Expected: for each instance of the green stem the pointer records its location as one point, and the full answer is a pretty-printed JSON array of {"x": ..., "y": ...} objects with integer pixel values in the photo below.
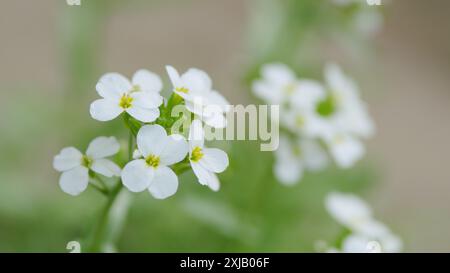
[
  {"x": 100, "y": 233},
  {"x": 99, "y": 188}
]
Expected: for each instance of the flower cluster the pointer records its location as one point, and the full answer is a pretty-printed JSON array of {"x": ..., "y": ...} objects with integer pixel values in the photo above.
[
  {"x": 363, "y": 232},
  {"x": 156, "y": 156},
  {"x": 316, "y": 120}
]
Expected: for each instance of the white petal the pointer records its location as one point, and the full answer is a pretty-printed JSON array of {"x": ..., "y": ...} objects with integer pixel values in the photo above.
[
  {"x": 205, "y": 177},
  {"x": 343, "y": 87},
  {"x": 164, "y": 184},
  {"x": 174, "y": 76},
  {"x": 137, "y": 175},
  {"x": 147, "y": 81},
  {"x": 278, "y": 73},
  {"x": 196, "y": 105},
  {"x": 370, "y": 227},
  {"x": 196, "y": 134},
  {"x": 143, "y": 114},
  {"x": 285, "y": 151},
  {"x": 197, "y": 81},
  {"x": 307, "y": 94},
  {"x": 146, "y": 99},
  {"x": 288, "y": 172},
  {"x": 355, "y": 119},
  {"x": 113, "y": 86},
  {"x": 151, "y": 139},
  {"x": 213, "y": 182},
  {"x": 214, "y": 160},
  {"x": 67, "y": 159},
  {"x": 346, "y": 150},
  {"x": 356, "y": 244},
  {"x": 314, "y": 155},
  {"x": 103, "y": 147},
  {"x": 74, "y": 181},
  {"x": 105, "y": 109},
  {"x": 105, "y": 167},
  {"x": 347, "y": 209},
  {"x": 215, "y": 98},
  {"x": 217, "y": 120},
  {"x": 267, "y": 92},
  {"x": 175, "y": 150}
]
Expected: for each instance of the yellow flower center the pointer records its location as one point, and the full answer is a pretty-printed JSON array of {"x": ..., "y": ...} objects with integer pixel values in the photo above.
[
  {"x": 125, "y": 101},
  {"x": 290, "y": 88},
  {"x": 182, "y": 90},
  {"x": 197, "y": 154},
  {"x": 152, "y": 161},
  {"x": 86, "y": 161}
]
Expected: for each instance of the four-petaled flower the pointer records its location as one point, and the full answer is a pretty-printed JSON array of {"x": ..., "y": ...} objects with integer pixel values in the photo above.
[
  {"x": 292, "y": 158},
  {"x": 75, "y": 166},
  {"x": 195, "y": 87},
  {"x": 152, "y": 172},
  {"x": 353, "y": 213},
  {"x": 140, "y": 98},
  {"x": 277, "y": 85},
  {"x": 205, "y": 162}
]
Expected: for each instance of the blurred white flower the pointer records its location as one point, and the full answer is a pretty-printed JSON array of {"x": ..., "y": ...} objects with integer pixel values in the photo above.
[
  {"x": 195, "y": 87},
  {"x": 140, "y": 98},
  {"x": 355, "y": 243},
  {"x": 292, "y": 158},
  {"x": 75, "y": 166},
  {"x": 350, "y": 112},
  {"x": 205, "y": 162},
  {"x": 332, "y": 114},
  {"x": 153, "y": 172},
  {"x": 353, "y": 213},
  {"x": 342, "y": 118},
  {"x": 345, "y": 149},
  {"x": 277, "y": 84},
  {"x": 348, "y": 210},
  {"x": 359, "y": 243}
]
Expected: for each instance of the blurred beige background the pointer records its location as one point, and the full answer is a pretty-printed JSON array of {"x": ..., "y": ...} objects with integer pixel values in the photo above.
[{"x": 410, "y": 99}]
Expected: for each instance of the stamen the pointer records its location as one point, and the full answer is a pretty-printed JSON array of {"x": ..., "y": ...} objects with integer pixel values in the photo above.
[
  {"x": 197, "y": 154},
  {"x": 152, "y": 161},
  {"x": 86, "y": 161},
  {"x": 125, "y": 101},
  {"x": 182, "y": 90}
]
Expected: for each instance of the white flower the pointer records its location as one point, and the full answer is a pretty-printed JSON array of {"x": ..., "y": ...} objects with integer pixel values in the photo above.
[
  {"x": 277, "y": 83},
  {"x": 291, "y": 159},
  {"x": 350, "y": 112},
  {"x": 341, "y": 119},
  {"x": 356, "y": 243},
  {"x": 140, "y": 98},
  {"x": 195, "y": 87},
  {"x": 359, "y": 243},
  {"x": 345, "y": 149},
  {"x": 353, "y": 213},
  {"x": 152, "y": 172},
  {"x": 75, "y": 166},
  {"x": 205, "y": 162},
  {"x": 348, "y": 210}
]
